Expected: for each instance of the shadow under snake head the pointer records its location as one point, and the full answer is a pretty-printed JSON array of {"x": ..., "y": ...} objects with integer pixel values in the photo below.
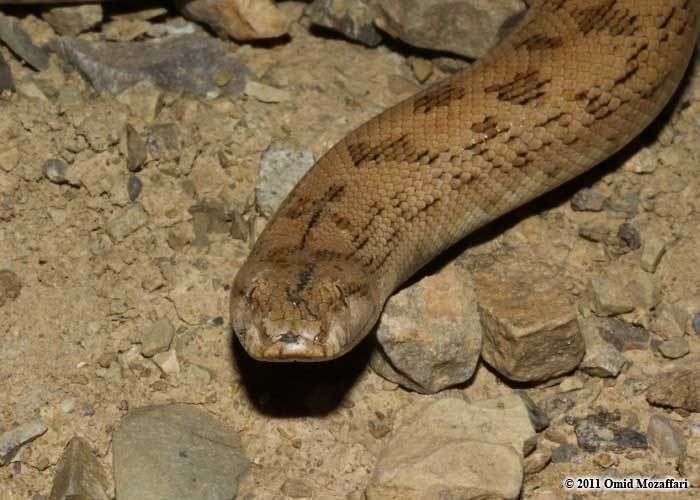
[{"x": 302, "y": 311}]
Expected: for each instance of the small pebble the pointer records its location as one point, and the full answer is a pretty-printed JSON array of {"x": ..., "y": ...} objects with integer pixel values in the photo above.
[
  {"x": 157, "y": 337},
  {"x": 630, "y": 235},
  {"x": 296, "y": 488},
  {"x": 54, "y": 170},
  {"x": 136, "y": 150},
  {"x": 10, "y": 286},
  {"x": 696, "y": 323},
  {"x": 133, "y": 187},
  {"x": 422, "y": 69},
  {"x": 674, "y": 348},
  {"x": 588, "y": 200},
  {"x": 652, "y": 252}
]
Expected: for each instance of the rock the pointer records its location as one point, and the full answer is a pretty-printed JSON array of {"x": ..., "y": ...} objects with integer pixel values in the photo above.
[
  {"x": 643, "y": 162},
  {"x": 126, "y": 223},
  {"x": 675, "y": 348},
  {"x": 73, "y": 20},
  {"x": 429, "y": 334},
  {"x": 653, "y": 250},
  {"x": 564, "y": 454},
  {"x": 537, "y": 461},
  {"x": 670, "y": 320},
  {"x": 602, "y": 359},
  {"x": 624, "y": 336},
  {"x": 144, "y": 100},
  {"x": 6, "y": 81},
  {"x": 623, "y": 204},
  {"x": 180, "y": 64},
  {"x": 134, "y": 187},
  {"x": 12, "y": 34},
  {"x": 464, "y": 27},
  {"x": 622, "y": 290},
  {"x": 100, "y": 174},
  {"x": 630, "y": 236},
  {"x": 600, "y": 432},
  {"x": 450, "y": 448},
  {"x": 665, "y": 437},
  {"x": 54, "y": 170},
  {"x": 676, "y": 389},
  {"x": 176, "y": 451},
  {"x": 9, "y": 159},
  {"x": 689, "y": 464},
  {"x": 10, "y": 286},
  {"x": 239, "y": 19},
  {"x": 296, "y": 488},
  {"x": 352, "y": 18},
  {"x": 167, "y": 362},
  {"x": 136, "y": 150},
  {"x": 588, "y": 200},
  {"x": 421, "y": 68},
  {"x": 79, "y": 474},
  {"x": 265, "y": 93},
  {"x": 125, "y": 30},
  {"x": 529, "y": 321},
  {"x": 280, "y": 169},
  {"x": 157, "y": 337},
  {"x": 163, "y": 142},
  {"x": 696, "y": 323},
  {"x": 11, "y": 441},
  {"x": 538, "y": 417}
]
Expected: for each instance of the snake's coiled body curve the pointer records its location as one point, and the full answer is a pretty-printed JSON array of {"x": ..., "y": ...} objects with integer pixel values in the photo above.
[{"x": 574, "y": 83}]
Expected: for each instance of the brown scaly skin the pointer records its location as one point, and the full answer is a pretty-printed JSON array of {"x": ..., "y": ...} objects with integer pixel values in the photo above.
[{"x": 574, "y": 83}]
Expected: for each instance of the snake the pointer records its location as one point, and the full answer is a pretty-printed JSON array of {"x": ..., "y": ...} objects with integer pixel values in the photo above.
[{"x": 570, "y": 85}]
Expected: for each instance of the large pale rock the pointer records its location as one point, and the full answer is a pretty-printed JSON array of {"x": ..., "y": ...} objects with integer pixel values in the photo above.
[
  {"x": 429, "y": 333},
  {"x": 73, "y": 19},
  {"x": 453, "y": 449},
  {"x": 239, "y": 19},
  {"x": 622, "y": 290},
  {"x": 530, "y": 327},
  {"x": 465, "y": 27},
  {"x": 176, "y": 451}
]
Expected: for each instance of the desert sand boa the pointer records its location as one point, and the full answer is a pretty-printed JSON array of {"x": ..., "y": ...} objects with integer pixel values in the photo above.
[{"x": 570, "y": 86}]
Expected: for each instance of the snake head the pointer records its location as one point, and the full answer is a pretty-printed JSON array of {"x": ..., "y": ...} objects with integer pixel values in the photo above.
[{"x": 301, "y": 311}]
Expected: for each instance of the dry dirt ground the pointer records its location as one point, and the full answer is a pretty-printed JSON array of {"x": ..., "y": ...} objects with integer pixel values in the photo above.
[{"x": 70, "y": 342}]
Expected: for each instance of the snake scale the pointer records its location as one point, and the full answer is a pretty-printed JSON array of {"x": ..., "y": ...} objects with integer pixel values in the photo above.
[{"x": 573, "y": 83}]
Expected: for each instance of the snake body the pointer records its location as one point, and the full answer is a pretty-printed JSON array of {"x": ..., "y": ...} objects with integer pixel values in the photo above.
[{"x": 570, "y": 86}]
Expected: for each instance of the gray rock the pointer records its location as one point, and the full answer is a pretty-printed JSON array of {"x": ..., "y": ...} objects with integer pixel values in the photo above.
[
  {"x": 352, "y": 18},
  {"x": 6, "y": 81},
  {"x": 538, "y": 417},
  {"x": 588, "y": 200},
  {"x": 429, "y": 334},
  {"x": 126, "y": 223},
  {"x": 623, "y": 204},
  {"x": 622, "y": 290},
  {"x": 653, "y": 250},
  {"x": 676, "y": 389},
  {"x": 10, "y": 286},
  {"x": 54, "y": 170},
  {"x": 134, "y": 187},
  {"x": 665, "y": 437},
  {"x": 157, "y": 337},
  {"x": 176, "y": 451},
  {"x": 564, "y": 454},
  {"x": 12, "y": 440},
  {"x": 602, "y": 359},
  {"x": 465, "y": 27},
  {"x": 74, "y": 19},
  {"x": 601, "y": 432},
  {"x": 79, "y": 474},
  {"x": 136, "y": 150},
  {"x": 163, "y": 142},
  {"x": 19, "y": 42},
  {"x": 529, "y": 321},
  {"x": 624, "y": 336},
  {"x": 696, "y": 323},
  {"x": 630, "y": 236},
  {"x": 194, "y": 64},
  {"x": 280, "y": 169},
  {"x": 450, "y": 448},
  {"x": 674, "y": 348}
]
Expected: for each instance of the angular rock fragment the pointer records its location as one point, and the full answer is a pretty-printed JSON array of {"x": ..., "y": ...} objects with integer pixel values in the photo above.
[
  {"x": 429, "y": 334},
  {"x": 194, "y": 64},
  {"x": 176, "y": 451},
  {"x": 530, "y": 327},
  {"x": 352, "y": 18},
  {"x": 602, "y": 432},
  {"x": 463, "y": 27},
  {"x": 10, "y": 286},
  {"x": 676, "y": 389},
  {"x": 623, "y": 290},
  {"x": 452, "y": 449},
  {"x": 239, "y": 19},
  {"x": 73, "y": 19},
  {"x": 79, "y": 474},
  {"x": 11, "y": 441},
  {"x": 6, "y": 81},
  {"x": 602, "y": 358},
  {"x": 665, "y": 437}
]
